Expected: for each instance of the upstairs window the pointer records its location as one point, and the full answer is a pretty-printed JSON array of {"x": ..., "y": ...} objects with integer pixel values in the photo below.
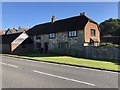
[
  {"x": 92, "y": 32},
  {"x": 38, "y": 37},
  {"x": 72, "y": 33},
  {"x": 52, "y": 35}
]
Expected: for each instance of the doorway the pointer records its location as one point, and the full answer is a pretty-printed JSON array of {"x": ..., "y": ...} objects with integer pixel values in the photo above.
[{"x": 46, "y": 46}]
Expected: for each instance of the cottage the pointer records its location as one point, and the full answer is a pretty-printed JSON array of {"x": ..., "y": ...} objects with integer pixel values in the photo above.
[
  {"x": 15, "y": 43},
  {"x": 74, "y": 32}
]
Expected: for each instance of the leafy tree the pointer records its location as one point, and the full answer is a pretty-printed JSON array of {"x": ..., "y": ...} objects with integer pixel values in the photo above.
[{"x": 111, "y": 27}]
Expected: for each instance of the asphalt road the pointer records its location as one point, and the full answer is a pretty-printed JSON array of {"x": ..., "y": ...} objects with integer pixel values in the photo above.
[{"x": 23, "y": 73}]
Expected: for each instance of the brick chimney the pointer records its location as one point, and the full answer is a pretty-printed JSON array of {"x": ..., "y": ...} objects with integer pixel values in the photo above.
[
  {"x": 83, "y": 13},
  {"x": 53, "y": 19},
  {"x": 14, "y": 28}
]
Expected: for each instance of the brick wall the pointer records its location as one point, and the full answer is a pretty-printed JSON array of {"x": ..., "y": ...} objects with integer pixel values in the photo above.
[{"x": 87, "y": 35}]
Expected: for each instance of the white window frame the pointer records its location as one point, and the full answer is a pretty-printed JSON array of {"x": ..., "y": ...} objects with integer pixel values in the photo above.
[
  {"x": 52, "y": 35},
  {"x": 72, "y": 33}
]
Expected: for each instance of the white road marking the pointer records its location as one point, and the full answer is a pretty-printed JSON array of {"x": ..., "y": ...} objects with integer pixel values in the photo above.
[
  {"x": 64, "y": 78},
  {"x": 9, "y": 64},
  {"x": 12, "y": 65},
  {"x": 34, "y": 61},
  {"x": 3, "y": 63}
]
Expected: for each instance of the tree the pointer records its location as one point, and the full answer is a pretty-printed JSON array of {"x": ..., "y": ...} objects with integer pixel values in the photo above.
[{"x": 110, "y": 27}]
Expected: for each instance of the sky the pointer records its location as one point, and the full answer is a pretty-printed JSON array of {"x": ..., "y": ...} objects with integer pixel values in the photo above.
[{"x": 27, "y": 14}]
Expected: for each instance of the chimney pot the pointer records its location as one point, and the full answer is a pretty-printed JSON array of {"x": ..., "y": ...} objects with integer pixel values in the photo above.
[
  {"x": 83, "y": 13},
  {"x": 14, "y": 28},
  {"x": 53, "y": 19}
]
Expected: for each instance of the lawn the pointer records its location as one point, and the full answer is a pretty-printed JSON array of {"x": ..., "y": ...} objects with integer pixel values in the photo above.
[{"x": 70, "y": 60}]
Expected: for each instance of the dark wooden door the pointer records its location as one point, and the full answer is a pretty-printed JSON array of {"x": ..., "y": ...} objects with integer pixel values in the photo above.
[{"x": 46, "y": 47}]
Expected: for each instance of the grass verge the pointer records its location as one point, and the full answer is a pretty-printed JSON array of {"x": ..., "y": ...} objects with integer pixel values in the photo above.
[{"x": 70, "y": 60}]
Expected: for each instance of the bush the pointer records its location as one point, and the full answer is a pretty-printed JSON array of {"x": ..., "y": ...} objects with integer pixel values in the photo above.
[{"x": 108, "y": 44}]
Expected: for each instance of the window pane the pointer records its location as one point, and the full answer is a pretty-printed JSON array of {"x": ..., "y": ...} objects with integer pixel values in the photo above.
[
  {"x": 92, "y": 32},
  {"x": 72, "y": 33},
  {"x": 52, "y": 35},
  {"x": 69, "y": 33}
]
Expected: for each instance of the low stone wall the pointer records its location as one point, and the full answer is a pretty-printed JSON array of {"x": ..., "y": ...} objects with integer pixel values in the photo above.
[{"x": 103, "y": 52}]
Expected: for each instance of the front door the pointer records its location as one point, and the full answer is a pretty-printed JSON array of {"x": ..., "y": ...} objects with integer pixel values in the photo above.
[{"x": 46, "y": 47}]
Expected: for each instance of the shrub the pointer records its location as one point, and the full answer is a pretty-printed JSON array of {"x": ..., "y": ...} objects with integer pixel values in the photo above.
[{"x": 108, "y": 44}]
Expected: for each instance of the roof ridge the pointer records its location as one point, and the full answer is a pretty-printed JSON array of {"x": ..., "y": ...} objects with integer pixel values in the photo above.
[{"x": 62, "y": 19}]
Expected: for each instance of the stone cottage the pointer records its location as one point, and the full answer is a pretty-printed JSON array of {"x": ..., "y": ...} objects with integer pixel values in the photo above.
[{"x": 74, "y": 32}]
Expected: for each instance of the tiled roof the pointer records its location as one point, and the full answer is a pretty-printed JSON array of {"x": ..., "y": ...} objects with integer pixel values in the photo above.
[
  {"x": 2, "y": 32},
  {"x": 73, "y": 23},
  {"x": 11, "y": 31}
]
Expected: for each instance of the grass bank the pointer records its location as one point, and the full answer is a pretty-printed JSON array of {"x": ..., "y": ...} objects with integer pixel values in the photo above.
[{"x": 108, "y": 65}]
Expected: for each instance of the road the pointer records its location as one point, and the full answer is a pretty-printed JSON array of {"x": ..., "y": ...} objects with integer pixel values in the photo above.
[{"x": 23, "y": 73}]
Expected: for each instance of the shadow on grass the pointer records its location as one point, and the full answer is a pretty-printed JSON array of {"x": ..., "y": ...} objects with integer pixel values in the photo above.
[{"x": 39, "y": 54}]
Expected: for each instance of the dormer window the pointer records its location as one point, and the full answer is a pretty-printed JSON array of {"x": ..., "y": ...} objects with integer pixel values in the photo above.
[
  {"x": 52, "y": 35},
  {"x": 92, "y": 32},
  {"x": 72, "y": 33}
]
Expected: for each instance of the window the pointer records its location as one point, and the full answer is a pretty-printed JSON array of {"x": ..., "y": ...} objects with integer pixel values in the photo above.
[
  {"x": 63, "y": 45},
  {"x": 38, "y": 45},
  {"x": 52, "y": 35},
  {"x": 92, "y": 32},
  {"x": 38, "y": 37},
  {"x": 72, "y": 33}
]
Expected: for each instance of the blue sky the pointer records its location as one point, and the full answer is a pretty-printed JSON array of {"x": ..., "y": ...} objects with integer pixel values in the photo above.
[{"x": 26, "y": 14}]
